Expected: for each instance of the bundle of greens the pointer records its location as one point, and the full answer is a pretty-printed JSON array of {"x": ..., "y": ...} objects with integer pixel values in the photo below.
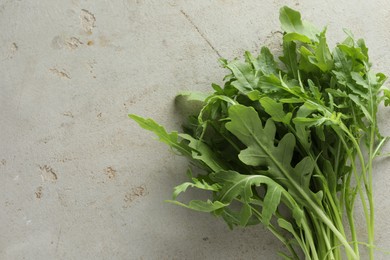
[{"x": 289, "y": 144}]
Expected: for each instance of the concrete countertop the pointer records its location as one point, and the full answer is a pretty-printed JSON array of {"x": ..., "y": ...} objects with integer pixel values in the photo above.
[{"x": 79, "y": 180}]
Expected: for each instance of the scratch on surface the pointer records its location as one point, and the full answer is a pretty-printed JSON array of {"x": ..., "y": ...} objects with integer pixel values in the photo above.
[
  {"x": 87, "y": 20},
  {"x": 39, "y": 193},
  {"x": 73, "y": 43},
  {"x": 14, "y": 47},
  {"x": 110, "y": 172},
  {"x": 134, "y": 194},
  {"x": 200, "y": 33},
  {"x": 60, "y": 73},
  {"x": 58, "y": 239},
  {"x": 48, "y": 173},
  {"x": 12, "y": 51},
  {"x": 68, "y": 113}
]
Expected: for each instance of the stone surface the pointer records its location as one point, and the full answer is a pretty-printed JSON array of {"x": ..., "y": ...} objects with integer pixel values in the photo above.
[{"x": 79, "y": 180}]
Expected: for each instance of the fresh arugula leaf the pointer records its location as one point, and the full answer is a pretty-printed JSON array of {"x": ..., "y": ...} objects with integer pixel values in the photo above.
[
  {"x": 291, "y": 23},
  {"x": 275, "y": 110},
  {"x": 323, "y": 58},
  {"x": 170, "y": 139},
  {"x": 199, "y": 205}
]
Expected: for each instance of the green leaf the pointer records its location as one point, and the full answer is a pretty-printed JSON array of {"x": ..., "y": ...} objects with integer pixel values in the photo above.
[
  {"x": 323, "y": 58},
  {"x": 309, "y": 121},
  {"x": 170, "y": 139},
  {"x": 386, "y": 93},
  {"x": 353, "y": 52},
  {"x": 361, "y": 105},
  {"x": 266, "y": 62},
  {"x": 315, "y": 91},
  {"x": 244, "y": 74},
  {"x": 296, "y": 37},
  {"x": 270, "y": 83},
  {"x": 286, "y": 225},
  {"x": 291, "y": 100},
  {"x": 271, "y": 202},
  {"x": 330, "y": 176},
  {"x": 245, "y": 214},
  {"x": 289, "y": 58},
  {"x": 337, "y": 92},
  {"x": 254, "y": 95},
  {"x": 202, "y": 152},
  {"x": 359, "y": 79},
  {"x": 197, "y": 183},
  {"x": 199, "y": 205},
  {"x": 304, "y": 62},
  {"x": 235, "y": 185},
  {"x": 305, "y": 168},
  {"x": 341, "y": 61},
  {"x": 246, "y": 125},
  {"x": 194, "y": 95},
  {"x": 291, "y": 23},
  {"x": 275, "y": 110}
]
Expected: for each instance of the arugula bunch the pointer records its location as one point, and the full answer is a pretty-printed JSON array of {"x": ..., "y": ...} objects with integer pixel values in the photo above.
[{"x": 289, "y": 144}]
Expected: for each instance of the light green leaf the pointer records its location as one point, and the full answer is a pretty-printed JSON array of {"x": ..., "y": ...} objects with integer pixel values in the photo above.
[
  {"x": 266, "y": 62},
  {"x": 245, "y": 214},
  {"x": 170, "y": 139},
  {"x": 275, "y": 110},
  {"x": 323, "y": 58},
  {"x": 330, "y": 176},
  {"x": 194, "y": 95},
  {"x": 244, "y": 74},
  {"x": 286, "y": 225},
  {"x": 305, "y": 167},
  {"x": 359, "y": 79},
  {"x": 200, "y": 184},
  {"x": 296, "y": 37},
  {"x": 361, "y": 106},
  {"x": 354, "y": 52},
  {"x": 309, "y": 121},
  {"x": 386, "y": 94},
  {"x": 304, "y": 62},
  {"x": 342, "y": 63},
  {"x": 291, "y": 23},
  {"x": 291, "y": 100},
  {"x": 246, "y": 125},
  {"x": 235, "y": 185},
  {"x": 337, "y": 92},
  {"x": 254, "y": 95},
  {"x": 270, "y": 83},
  {"x": 202, "y": 152},
  {"x": 289, "y": 58},
  {"x": 199, "y": 205},
  {"x": 271, "y": 202}
]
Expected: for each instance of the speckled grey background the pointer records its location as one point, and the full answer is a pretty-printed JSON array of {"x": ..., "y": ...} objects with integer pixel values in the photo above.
[{"x": 78, "y": 179}]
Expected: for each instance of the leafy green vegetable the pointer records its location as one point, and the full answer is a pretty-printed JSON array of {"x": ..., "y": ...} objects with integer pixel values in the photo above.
[{"x": 301, "y": 133}]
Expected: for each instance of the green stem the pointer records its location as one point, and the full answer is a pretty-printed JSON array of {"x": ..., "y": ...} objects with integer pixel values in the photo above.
[
  {"x": 337, "y": 233},
  {"x": 331, "y": 200},
  {"x": 350, "y": 201},
  {"x": 309, "y": 238},
  {"x": 278, "y": 235},
  {"x": 369, "y": 215},
  {"x": 312, "y": 205},
  {"x": 323, "y": 238},
  {"x": 370, "y": 195}
]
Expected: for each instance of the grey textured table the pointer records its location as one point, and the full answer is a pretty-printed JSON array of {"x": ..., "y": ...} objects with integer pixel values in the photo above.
[{"x": 79, "y": 180}]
